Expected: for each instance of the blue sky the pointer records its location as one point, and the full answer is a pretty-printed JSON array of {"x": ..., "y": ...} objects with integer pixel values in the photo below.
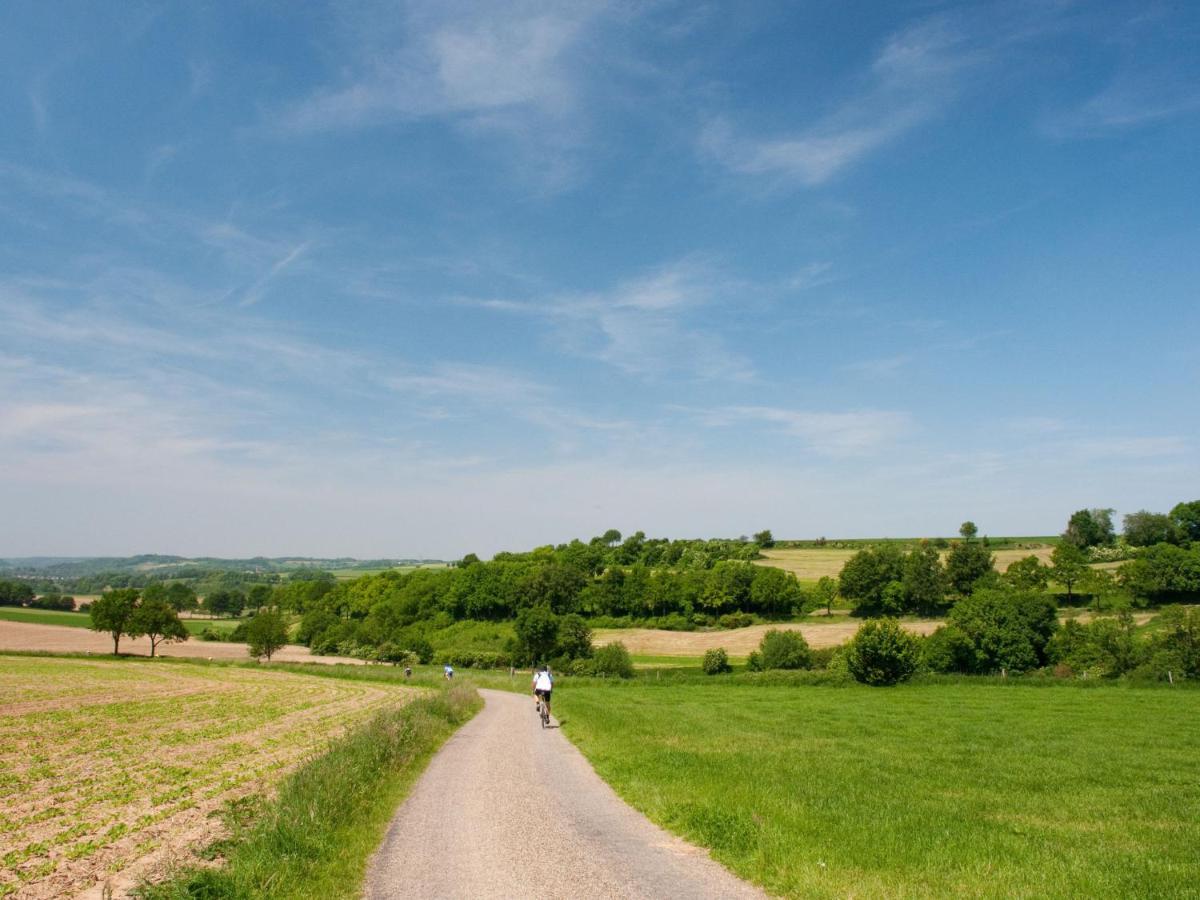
[{"x": 405, "y": 278}]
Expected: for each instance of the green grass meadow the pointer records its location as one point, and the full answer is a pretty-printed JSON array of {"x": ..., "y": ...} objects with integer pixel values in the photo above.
[{"x": 929, "y": 789}]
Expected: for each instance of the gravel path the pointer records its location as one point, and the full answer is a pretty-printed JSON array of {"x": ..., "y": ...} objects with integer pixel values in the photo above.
[{"x": 502, "y": 786}]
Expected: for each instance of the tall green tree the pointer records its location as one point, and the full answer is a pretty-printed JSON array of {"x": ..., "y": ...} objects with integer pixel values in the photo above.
[
  {"x": 1090, "y": 528},
  {"x": 1186, "y": 517},
  {"x": 1068, "y": 565},
  {"x": 258, "y": 596},
  {"x": 764, "y": 538},
  {"x": 867, "y": 574},
  {"x": 537, "y": 633},
  {"x": 924, "y": 579},
  {"x": 266, "y": 632},
  {"x": 825, "y": 593},
  {"x": 155, "y": 618},
  {"x": 967, "y": 564},
  {"x": 181, "y": 596},
  {"x": 113, "y": 612},
  {"x": 1028, "y": 574},
  {"x": 968, "y": 530},
  {"x": 574, "y": 637},
  {"x": 1144, "y": 529}
]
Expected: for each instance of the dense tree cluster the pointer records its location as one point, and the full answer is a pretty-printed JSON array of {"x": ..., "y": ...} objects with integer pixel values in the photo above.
[
  {"x": 885, "y": 581},
  {"x": 399, "y": 608}
]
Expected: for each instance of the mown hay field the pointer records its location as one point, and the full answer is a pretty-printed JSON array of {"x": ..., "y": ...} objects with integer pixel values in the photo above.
[
  {"x": 813, "y": 564},
  {"x": 111, "y": 770}
]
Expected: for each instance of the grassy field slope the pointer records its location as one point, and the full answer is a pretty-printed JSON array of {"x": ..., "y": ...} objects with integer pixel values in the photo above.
[{"x": 948, "y": 789}]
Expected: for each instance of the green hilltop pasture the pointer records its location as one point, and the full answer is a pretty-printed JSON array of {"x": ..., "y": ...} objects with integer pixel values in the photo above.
[{"x": 939, "y": 788}]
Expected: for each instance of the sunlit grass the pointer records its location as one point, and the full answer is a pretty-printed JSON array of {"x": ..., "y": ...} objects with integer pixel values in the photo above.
[{"x": 945, "y": 789}]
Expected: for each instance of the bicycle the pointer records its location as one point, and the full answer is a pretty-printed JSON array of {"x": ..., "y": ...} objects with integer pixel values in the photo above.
[{"x": 543, "y": 711}]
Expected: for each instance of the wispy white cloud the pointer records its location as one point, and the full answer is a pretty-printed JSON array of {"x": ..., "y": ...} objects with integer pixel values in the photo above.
[
  {"x": 644, "y": 326},
  {"x": 916, "y": 73},
  {"x": 1134, "y": 99},
  {"x": 507, "y": 69},
  {"x": 260, "y": 287},
  {"x": 845, "y": 433}
]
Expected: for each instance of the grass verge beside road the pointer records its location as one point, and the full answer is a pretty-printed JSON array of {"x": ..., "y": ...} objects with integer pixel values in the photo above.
[
  {"x": 935, "y": 789},
  {"x": 315, "y": 837}
]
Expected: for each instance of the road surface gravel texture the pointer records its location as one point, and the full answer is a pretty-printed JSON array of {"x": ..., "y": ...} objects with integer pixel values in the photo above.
[{"x": 509, "y": 810}]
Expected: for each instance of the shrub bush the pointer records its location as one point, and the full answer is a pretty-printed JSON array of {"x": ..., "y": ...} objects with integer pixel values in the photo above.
[
  {"x": 473, "y": 659},
  {"x": 883, "y": 653},
  {"x": 754, "y": 662},
  {"x": 736, "y": 620},
  {"x": 56, "y": 602},
  {"x": 948, "y": 649},
  {"x": 820, "y": 657},
  {"x": 613, "y": 660},
  {"x": 716, "y": 662},
  {"x": 785, "y": 650}
]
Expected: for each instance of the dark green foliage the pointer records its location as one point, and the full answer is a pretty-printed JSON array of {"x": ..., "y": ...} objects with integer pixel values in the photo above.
[
  {"x": 612, "y": 660},
  {"x": 924, "y": 580},
  {"x": 181, "y": 596},
  {"x": 967, "y": 564},
  {"x": 1163, "y": 574},
  {"x": 883, "y": 653},
  {"x": 155, "y": 618},
  {"x": 716, "y": 662},
  {"x": 225, "y": 603},
  {"x": 949, "y": 649},
  {"x": 1008, "y": 629},
  {"x": 866, "y": 575},
  {"x": 825, "y": 593},
  {"x": 1068, "y": 566},
  {"x": 15, "y": 593},
  {"x": 574, "y": 637},
  {"x": 968, "y": 530},
  {"x": 1175, "y": 646},
  {"x": 1028, "y": 574},
  {"x": 775, "y": 592},
  {"x": 266, "y": 633},
  {"x": 537, "y": 634},
  {"x": 258, "y": 596},
  {"x": 736, "y": 620},
  {"x": 1144, "y": 529},
  {"x": 764, "y": 538},
  {"x": 1090, "y": 528},
  {"x": 53, "y": 602},
  {"x": 1186, "y": 517},
  {"x": 1105, "y": 646},
  {"x": 784, "y": 650},
  {"x": 113, "y": 612}
]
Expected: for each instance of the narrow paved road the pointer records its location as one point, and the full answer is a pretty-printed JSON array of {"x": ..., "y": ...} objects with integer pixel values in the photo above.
[{"x": 502, "y": 787}]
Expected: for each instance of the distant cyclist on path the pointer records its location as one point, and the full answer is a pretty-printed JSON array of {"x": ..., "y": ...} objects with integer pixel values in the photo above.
[{"x": 543, "y": 684}]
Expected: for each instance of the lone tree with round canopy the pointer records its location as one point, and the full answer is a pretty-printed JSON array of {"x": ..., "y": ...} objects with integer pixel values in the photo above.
[{"x": 113, "y": 612}]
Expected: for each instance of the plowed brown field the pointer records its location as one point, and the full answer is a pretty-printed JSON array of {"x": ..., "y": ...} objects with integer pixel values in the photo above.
[
  {"x": 59, "y": 639},
  {"x": 110, "y": 770}
]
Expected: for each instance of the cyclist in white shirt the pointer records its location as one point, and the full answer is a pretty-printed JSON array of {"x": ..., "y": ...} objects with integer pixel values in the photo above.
[{"x": 543, "y": 684}]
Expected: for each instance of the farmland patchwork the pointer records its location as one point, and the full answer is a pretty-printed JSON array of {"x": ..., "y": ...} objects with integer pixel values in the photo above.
[{"x": 110, "y": 770}]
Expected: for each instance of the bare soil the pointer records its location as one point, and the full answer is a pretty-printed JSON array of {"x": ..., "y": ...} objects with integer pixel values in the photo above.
[
  {"x": 63, "y": 639},
  {"x": 109, "y": 772}
]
